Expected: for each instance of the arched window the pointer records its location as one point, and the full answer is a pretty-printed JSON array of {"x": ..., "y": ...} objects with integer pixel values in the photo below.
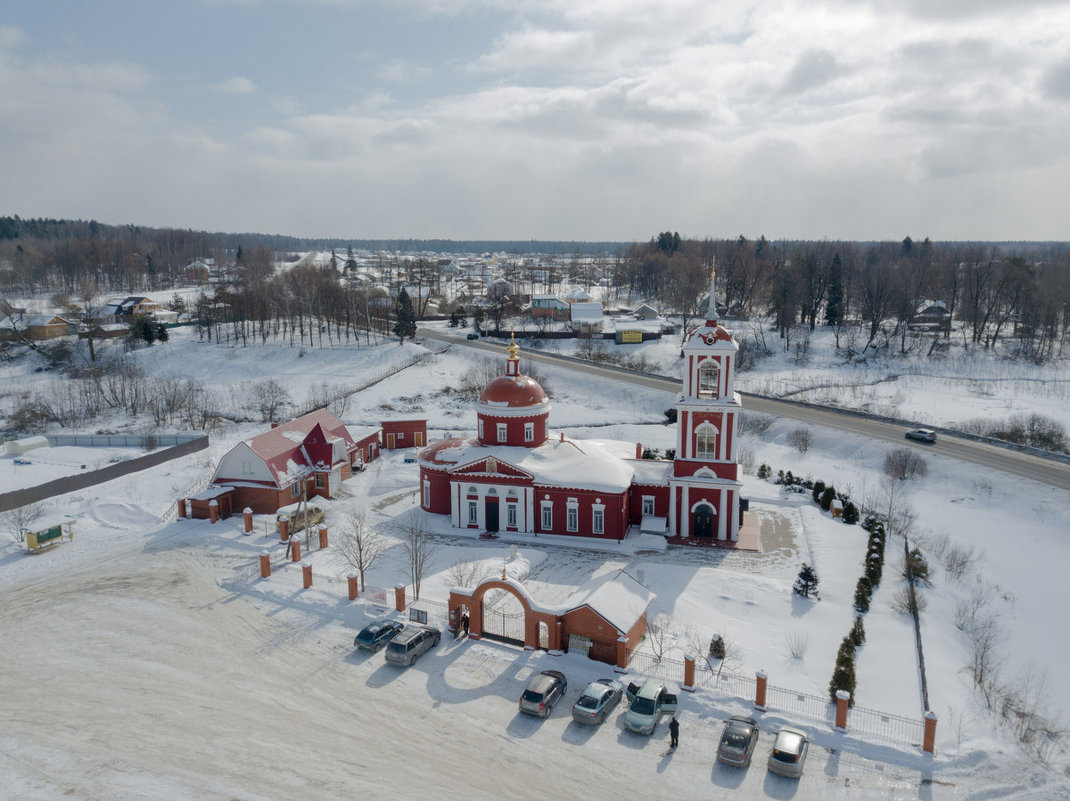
[
  {"x": 492, "y": 491},
  {"x": 706, "y": 442},
  {"x": 709, "y": 376}
]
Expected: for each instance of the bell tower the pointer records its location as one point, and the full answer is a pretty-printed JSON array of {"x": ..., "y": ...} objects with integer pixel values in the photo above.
[{"x": 704, "y": 487}]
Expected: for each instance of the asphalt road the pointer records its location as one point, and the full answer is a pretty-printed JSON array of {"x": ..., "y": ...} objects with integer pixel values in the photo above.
[{"x": 1047, "y": 471}]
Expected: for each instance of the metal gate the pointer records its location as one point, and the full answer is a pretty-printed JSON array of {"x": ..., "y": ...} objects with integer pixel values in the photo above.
[{"x": 503, "y": 626}]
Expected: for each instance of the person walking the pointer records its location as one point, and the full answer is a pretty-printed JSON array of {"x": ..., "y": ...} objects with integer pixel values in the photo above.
[
  {"x": 464, "y": 624},
  {"x": 674, "y": 732}
]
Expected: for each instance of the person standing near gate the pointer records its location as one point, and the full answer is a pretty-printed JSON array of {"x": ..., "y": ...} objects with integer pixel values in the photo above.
[
  {"x": 674, "y": 732},
  {"x": 464, "y": 623}
]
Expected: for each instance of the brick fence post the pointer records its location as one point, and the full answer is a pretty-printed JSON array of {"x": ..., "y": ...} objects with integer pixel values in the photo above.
[
  {"x": 265, "y": 564},
  {"x": 247, "y": 515},
  {"x": 353, "y": 581},
  {"x": 284, "y": 528},
  {"x": 929, "y": 743},
  {"x": 760, "y": 686},
  {"x": 181, "y": 507},
  {"x": 295, "y": 546},
  {"x": 323, "y": 536},
  {"x": 399, "y": 597},
  {"x": 842, "y": 697},
  {"x": 689, "y": 673},
  {"x": 622, "y": 654},
  {"x": 213, "y": 511},
  {"x": 306, "y": 574}
]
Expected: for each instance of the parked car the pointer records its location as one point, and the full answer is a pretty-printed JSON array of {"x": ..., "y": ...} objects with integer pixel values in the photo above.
[
  {"x": 410, "y": 643},
  {"x": 921, "y": 434},
  {"x": 297, "y": 518},
  {"x": 543, "y": 691},
  {"x": 789, "y": 752},
  {"x": 598, "y": 699},
  {"x": 648, "y": 703},
  {"x": 377, "y": 634},
  {"x": 738, "y": 739},
  {"x": 473, "y": 336}
]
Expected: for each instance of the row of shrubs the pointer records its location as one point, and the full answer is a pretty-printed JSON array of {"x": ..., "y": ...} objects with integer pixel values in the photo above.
[
  {"x": 823, "y": 494},
  {"x": 843, "y": 674}
]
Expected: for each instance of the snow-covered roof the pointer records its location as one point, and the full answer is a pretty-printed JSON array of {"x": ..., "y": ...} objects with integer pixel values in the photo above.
[
  {"x": 617, "y": 597},
  {"x": 587, "y": 311},
  {"x": 599, "y": 465},
  {"x": 363, "y": 432},
  {"x": 651, "y": 471}
]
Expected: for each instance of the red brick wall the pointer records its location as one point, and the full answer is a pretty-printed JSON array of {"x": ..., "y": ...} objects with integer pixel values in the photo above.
[
  {"x": 514, "y": 430},
  {"x": 404, "y": 433}
]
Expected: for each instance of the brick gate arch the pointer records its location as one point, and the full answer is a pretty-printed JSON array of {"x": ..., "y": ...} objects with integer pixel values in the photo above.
[{"x": 533, "y": 613}]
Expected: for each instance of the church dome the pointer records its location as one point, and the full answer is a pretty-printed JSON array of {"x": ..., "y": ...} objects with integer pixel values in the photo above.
[{"x": 513, "y": 392}]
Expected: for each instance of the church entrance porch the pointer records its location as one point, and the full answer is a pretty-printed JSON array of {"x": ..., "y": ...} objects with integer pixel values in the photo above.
[
  {"x": 491, "y": 514},
  {"x": 703, "y": 520}
]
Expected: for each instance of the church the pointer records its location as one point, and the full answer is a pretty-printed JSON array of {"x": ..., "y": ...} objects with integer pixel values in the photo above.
[{"x": 516, "y": 476}]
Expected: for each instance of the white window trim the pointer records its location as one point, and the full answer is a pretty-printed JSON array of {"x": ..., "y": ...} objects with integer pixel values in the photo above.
[
  {"x": 529, "y": 432},
  {"x": 473, "y": 512},
  {"x": 598, "y": 519},
  {"x": 648, "y": 503},
  {"x": 503, "y": 432},
  {"x": 546, "y": 509},
  {"x": 572, "y": 515},
  {"x": 510, "y": 515},
  {"x": 295, "y": 489},
  {"x": 700, "y": 434},
  {"x": 481, "y": 429},
  {"x": 427, "y": 493}
]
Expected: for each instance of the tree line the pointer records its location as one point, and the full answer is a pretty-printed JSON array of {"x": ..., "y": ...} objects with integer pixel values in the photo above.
[{"x": 995, "y": 293}]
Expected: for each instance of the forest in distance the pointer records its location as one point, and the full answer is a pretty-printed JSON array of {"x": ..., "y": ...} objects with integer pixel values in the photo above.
[{"x": 1009, "y": 295}]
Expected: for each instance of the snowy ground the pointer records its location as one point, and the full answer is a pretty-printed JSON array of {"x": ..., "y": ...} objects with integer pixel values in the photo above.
[
  {"x": 45, "y": 464},
  {"x": 152, "y": 663}
]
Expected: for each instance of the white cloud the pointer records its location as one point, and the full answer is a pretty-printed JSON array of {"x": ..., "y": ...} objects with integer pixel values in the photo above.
[{"x": 238, "y": 85}]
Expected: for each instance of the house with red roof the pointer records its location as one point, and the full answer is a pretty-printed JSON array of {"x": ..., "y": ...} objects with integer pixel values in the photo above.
[{"x": 308, "y": 456}]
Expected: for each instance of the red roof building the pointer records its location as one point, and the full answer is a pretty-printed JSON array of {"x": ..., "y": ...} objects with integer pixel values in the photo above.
[{"x": 305, "y": 457}]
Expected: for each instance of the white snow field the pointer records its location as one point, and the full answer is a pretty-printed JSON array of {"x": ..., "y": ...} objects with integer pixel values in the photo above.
[{"x": 150, "y": 660}]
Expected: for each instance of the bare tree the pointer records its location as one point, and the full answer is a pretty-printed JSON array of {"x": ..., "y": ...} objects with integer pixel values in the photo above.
[
  {"x": 419, "y": 546},
  {"x": 268, "y": 398},
  {"x": 660, "y": 634},
  {"x": 903, "y": 463},
  {"x": 466, "y": 574},
  {"x": 18, "y": 521},
  {"x": 359, "y": 543},
  {"x": 801, "y": 439}
]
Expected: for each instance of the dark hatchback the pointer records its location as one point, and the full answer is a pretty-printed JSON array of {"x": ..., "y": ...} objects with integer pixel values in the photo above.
[{"x": 375, "y": 635}]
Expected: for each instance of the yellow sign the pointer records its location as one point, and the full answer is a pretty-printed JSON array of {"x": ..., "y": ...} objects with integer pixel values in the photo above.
[{"x": 629, "y": 337}]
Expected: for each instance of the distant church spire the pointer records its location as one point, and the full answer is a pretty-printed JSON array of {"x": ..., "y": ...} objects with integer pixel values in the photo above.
[{"x": 711, "y": 311}]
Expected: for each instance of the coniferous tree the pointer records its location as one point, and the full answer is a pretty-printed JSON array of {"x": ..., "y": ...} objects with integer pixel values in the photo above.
[
  {"x": 806, "y": 583},
  {"x": 834, "y": 311},
  {"x": 406, "y": 318}
]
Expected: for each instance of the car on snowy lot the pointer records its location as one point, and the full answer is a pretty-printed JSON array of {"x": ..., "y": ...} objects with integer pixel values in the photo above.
[
  {"x": 789, "y": 752},
  {"x": 544, "y": 690},
  {"x": 921, "y": 435},
  {"x": 410, "y": 643},
  {"x": 738, "y": 739},
  {"x": 648, "y": 703},
  {"x": 377, "y": 634},
  {"x": 472, "y": 336},
  {"x": 597, "y": 700}
]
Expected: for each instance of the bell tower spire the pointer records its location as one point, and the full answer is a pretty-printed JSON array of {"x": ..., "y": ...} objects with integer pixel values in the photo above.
[
  {"x": 512, "y": 364},
  {"x": 711, "y": 310}
]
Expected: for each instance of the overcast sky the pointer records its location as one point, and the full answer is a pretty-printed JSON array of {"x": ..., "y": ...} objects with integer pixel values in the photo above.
[{"x": 560, "y": 119}]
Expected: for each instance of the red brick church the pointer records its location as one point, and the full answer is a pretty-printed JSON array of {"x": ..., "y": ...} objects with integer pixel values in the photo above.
[{"x": 515, "y": 476}]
